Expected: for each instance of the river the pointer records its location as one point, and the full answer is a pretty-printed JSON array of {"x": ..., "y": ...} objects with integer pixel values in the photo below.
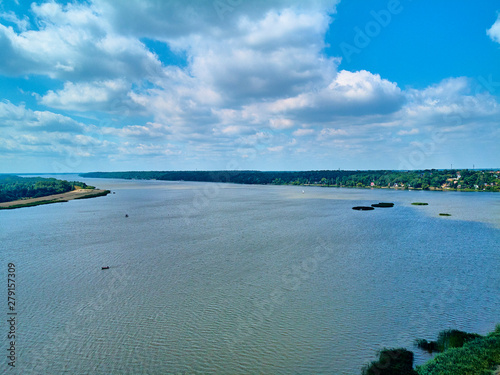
[{"x": 223, "y": 278}]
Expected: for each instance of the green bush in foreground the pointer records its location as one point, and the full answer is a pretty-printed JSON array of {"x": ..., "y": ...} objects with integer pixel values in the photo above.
[
  {"x": 451, "y": 338},
  {"x": 391, "y": 362},
  {"x": 477, "y": 357}
]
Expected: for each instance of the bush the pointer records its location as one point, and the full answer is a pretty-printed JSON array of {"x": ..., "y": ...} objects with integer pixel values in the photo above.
[
  {"x": 391, "y": 362},
  {"x": 477, "y": 356}
]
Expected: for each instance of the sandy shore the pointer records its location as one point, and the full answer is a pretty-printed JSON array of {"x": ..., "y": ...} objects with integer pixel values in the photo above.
[{"x": 75, "y": 194}]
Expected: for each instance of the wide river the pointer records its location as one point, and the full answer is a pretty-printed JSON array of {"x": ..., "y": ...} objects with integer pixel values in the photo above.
[{"x": 227, "y": 279}]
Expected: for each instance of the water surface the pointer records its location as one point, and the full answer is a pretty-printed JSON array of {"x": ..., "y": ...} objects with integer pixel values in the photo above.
[{"x": 211, "y": 278}]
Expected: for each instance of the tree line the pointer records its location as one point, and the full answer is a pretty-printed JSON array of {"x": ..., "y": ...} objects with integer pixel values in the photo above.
[
  {"x": 14, "y": 187},
  {"x": 429, "y": 179}
]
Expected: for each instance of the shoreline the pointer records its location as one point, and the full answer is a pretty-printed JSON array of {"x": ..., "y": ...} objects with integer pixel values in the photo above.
[{"x": 55, "y": 198}]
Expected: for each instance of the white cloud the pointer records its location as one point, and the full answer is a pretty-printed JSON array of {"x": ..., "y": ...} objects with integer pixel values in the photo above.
[
  {"x": 281, "y": 123},
  {"x": 275, "y": 149},
  {"x": 169, "y": 20},
  {"x": 450, "y": 101},
  {"x": 109, "y": 95},
  {"x": 19, "y": 117},
  {"x": 494, "y": 31},
  {"x": 73, "y": 42},
  {"x": 256, "y": 81},
  {"x": 142, "y": 149},
  {"x": 21, "y": 24},
  {"x": 303, "y": 132},
  {"x": 409, "y": 132}
]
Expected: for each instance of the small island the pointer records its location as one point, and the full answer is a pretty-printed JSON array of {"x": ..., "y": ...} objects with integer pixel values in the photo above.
[{"x": 18, "y": 192}]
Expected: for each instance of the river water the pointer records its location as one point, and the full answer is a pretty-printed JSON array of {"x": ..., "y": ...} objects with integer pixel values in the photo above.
[{"x": 223, "y": 278}]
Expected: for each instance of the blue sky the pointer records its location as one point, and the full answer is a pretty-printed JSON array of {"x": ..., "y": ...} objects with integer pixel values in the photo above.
[{"x": 234, "y": 84}]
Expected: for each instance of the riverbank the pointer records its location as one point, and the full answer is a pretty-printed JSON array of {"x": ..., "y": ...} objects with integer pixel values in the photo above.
[
  {"x": 430, "y": 179},
  {"x": 55, "y": 198}
]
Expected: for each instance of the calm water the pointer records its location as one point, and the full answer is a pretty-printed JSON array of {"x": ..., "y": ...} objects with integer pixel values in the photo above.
[{"x": 208, "y": 278}]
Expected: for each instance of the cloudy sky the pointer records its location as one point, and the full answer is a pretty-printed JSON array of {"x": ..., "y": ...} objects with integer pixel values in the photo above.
[{"x": 237, "y": 84}]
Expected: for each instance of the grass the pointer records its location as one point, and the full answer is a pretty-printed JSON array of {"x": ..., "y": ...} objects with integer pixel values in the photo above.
[
  {"x": 480, "y": 356},
  {"x": 420, "y": 204}
]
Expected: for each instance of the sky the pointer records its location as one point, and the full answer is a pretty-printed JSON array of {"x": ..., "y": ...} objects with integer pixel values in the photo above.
[{"x": 106, "y": 85}]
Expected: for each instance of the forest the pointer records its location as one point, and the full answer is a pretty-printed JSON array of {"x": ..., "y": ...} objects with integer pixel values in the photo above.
[
  {"x": 430, "y": 179},
  {"x": 14, "y": 187}
]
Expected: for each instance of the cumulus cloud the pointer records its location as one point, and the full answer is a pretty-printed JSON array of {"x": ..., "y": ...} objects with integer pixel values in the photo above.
[
  {"x": 450, "y": 101},
  {"x": 255, "y": 82},
  {"x": 494, "y": 31},
  {"x": 10, "y": 17},
  {"x": 170, "y": 20},
  {"x": 108, "y": 95},
  {"x": 19, "y": 117},
  {"x": 73, "y": 42}
]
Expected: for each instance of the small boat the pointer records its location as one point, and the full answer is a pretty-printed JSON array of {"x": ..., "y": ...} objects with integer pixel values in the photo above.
[
  {"x": 105, "y": 268},
  {"x": 126, "y": 215}
]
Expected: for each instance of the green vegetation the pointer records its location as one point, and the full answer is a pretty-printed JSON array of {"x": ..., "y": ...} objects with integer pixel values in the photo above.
[
  {"x": 391, "y": 362},
  {"x": 477, "y": 356},
  {"x": 462, "y": 353},
  {"x": 433, "y": 179},
  {"x": 451, "y": 338},
  {"x": 13, "y": 187},
  {"x": 420, "y": 204}
]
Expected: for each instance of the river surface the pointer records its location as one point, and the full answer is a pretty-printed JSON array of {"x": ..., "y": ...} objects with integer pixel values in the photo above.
[{"x": 226, "y": 279}]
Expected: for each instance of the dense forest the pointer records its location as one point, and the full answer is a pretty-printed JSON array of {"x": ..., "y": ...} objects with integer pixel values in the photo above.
[
  {"x": 430, "y": 179},
  {"x": 14, "y": 187}
]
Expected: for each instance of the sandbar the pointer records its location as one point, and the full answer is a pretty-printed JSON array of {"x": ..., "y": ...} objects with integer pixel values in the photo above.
[{"x": 55, "y": 198}]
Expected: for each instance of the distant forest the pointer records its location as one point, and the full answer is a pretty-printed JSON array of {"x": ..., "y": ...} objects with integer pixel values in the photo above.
[
  {"x": 433, "y": 179},
  {"x": 14, "y": 187}
]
